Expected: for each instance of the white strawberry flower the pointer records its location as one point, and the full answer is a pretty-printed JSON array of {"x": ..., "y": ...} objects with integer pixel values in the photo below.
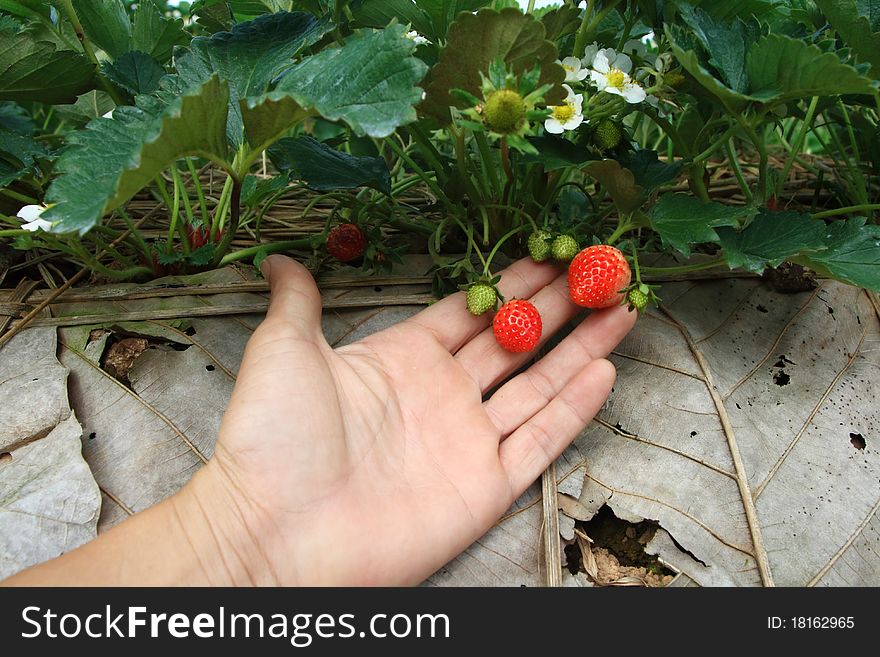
[
  {"x": 567, "y": 116},
  {"x": 636, "y": 47},
  {"x": 610, "y": 73},
  {"x": 31, "y": 216},
  {"x": 574, "y": 71},
  {"x": 590, "y": 54},
  {"x": 418, "y": 38}
]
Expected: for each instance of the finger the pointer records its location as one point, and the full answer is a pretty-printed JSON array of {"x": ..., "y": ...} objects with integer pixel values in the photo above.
[
  {"x": 450, "y": 320},
  {"x": 488, "y": 363},
  {"x": 527, "y": 393},
  {"x": 295, "y": 301},
  {"x": 536, "y": 444}
]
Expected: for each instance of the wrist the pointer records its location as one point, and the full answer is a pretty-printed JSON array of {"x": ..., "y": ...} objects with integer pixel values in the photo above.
[{"x": 221, "y": 530}]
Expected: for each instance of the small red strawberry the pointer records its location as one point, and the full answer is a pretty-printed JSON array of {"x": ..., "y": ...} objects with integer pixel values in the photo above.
[
  {"x": 517, "y": 326},
  {"x": 597, "y": 276},
  {"x": 346, "y": 242}
]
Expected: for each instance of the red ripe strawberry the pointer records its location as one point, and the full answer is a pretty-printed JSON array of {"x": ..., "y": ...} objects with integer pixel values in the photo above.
[
  {"x": 346, "y": 242},
  {"x": 596, "y": 277},
  {"x": 517, "y": 326}
]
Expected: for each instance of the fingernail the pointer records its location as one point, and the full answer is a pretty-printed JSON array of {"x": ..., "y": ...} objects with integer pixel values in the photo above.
[{"x": 266, "y": 267}]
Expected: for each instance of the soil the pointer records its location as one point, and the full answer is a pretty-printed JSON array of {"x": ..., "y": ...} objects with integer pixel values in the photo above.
[{"x": 617, "y": 554}]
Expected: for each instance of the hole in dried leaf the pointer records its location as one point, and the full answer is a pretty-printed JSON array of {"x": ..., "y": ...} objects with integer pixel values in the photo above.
[
  {"x": 857, "y": 440},
  {"x": 616, "y": 551},
  {"x": 120, "y": 355},
  {"x": 191, "y": 331},
  {"x": 210, "y": 368},
  {"x": 5, "y": 457},
  {"x": 92, "y": 435},
  {"x": 780, "y": 378}
]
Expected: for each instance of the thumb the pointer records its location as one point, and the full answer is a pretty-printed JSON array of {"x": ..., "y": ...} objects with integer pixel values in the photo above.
[{"x": 295, "y": 300}]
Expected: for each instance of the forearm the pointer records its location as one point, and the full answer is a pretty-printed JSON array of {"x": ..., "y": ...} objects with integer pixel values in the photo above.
[{"x": 190, "y": 539}]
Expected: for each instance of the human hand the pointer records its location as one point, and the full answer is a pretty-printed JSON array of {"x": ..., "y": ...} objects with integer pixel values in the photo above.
[
  {"x": 370, "y": 464},
  {"x": 378, "y": 462}
]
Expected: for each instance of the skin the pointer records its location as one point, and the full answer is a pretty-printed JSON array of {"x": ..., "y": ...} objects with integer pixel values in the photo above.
[{"x": 370, "y": 464}]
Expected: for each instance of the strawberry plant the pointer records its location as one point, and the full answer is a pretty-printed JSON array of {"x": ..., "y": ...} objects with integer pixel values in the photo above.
[{"x": 526, "y": 131}]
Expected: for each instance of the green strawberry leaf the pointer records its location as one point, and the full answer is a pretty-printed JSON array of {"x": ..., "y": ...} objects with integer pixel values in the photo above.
[
  {"x": 113, "y": 159},
  {"x": 88, "y": 106},
  {"x": 474, "y": 41},
  {"x": 442, "y": 13},
  {"x": 381, "y": 14},
  {"x": 33, "y": 69},
  {"x": 691, "y": 62},
  {"x": 369, "y": 82},
  {"x": 561, "y": 22},
  {"x": 648, "y": 170},
  {"x": 782, "y": 68},
  {"x": 855, "y": 30},
  {"x": 253, "y": 54},
  {"x": 212, "y": 15},
  {"x": 556, "y": 153},
  {"x": 255, "y": 190},
  {"x": 726, "y": 43},
  {"x": 203, "y": 255},
  {"x": 106, "y": 24},
  {"x": 771, "y": 238},
  {"x": 683, "y": 220},
  {"x": 267, "y": 118},
  {"x": 16, "y": 118},
  {"x": 324, "y": 168},
  {"x": 249, "y": 57},
  {"x": 852, "y": 254},
  {"x": 156, "y": 34},
  {"x": 135, "y": 72},
  {"x": 619, "y": 182},
  {"x": 18, "y": 155}
]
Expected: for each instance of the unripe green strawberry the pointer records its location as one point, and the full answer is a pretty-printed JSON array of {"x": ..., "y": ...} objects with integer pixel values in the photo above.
[
  {"x": 539, "y": 247},
  {"x": 637, "y": 299},
  {"x": 481, "y": 298},
  {"x": 564, "y": 248},
  {"x": 505, "y": 111},
  {"x": 608, "y": 134}
]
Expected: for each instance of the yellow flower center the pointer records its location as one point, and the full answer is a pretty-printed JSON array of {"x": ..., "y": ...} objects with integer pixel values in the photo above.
[
  {"x": 505, "y": 111},
  {"x": 563, "y": 113},
  {"x": 616, "y": 78}
]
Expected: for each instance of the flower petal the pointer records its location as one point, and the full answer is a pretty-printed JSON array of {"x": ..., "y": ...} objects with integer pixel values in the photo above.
[
  {"x": 553, "y": 127},
  {"x": 31, "y": 212},
  {"x": 622, "y": 63},
  {"x": 573, "y": 122},
  {"x": 38, "y": 224},
  {"x": 599, "y": 79},
  {"x": 633, "y": 93},
  {"x": 600, "y": 62},
  {"x": 590, "y": 54}
]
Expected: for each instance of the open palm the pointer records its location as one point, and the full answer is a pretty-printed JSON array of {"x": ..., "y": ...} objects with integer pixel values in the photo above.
[{"x": 377, "y": 462}]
